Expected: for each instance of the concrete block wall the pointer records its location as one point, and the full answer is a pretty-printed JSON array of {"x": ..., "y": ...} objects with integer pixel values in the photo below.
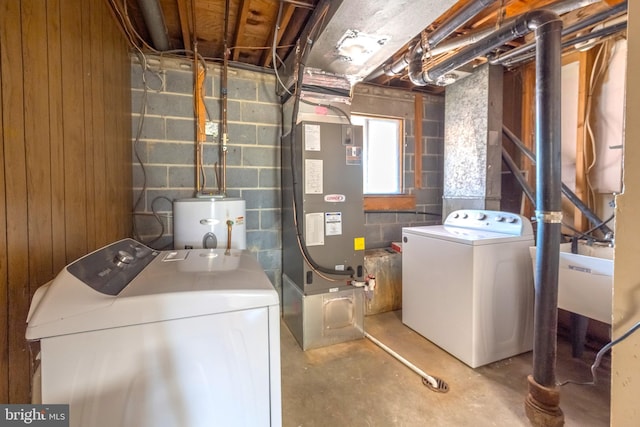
[
  {"x": 383, "y": 228},
  {"x": 166, "y": 148}
]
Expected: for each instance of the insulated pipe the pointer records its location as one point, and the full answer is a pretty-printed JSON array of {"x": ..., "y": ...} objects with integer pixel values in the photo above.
[
  {"x": 573, "y": 198},
  {"x": 154, "y": 20},
  {"x": 587, "y": 22}
]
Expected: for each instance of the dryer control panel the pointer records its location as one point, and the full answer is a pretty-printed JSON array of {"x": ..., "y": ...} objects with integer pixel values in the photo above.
[
  {"x": 110, "y": 269},
  {"x": 495, "y": 221}
]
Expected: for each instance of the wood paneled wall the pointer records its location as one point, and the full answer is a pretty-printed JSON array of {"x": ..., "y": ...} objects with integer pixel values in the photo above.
[{"x": 65, "y": 139}]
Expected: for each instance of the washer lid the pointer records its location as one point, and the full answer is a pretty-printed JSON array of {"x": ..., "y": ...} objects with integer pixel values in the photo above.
[
  {"x": 176, "y": 284},
  {"x": 467, "y": 236}
]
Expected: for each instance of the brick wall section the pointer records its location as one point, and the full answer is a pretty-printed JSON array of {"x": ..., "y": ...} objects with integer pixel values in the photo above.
[{"x": 167, "y": 150}]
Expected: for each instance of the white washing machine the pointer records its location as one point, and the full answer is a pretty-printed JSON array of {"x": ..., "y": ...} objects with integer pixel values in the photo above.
[
  {"x": 134, "y": 337},
  {"x": 467, "y": 285}
]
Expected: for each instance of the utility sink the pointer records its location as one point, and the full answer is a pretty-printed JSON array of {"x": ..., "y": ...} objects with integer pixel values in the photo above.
[{"x": 585, "y": 282}]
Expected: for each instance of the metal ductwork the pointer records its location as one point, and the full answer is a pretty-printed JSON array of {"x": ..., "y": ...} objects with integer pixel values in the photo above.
[
  {"x": 352, "y": 38},
  {"x": 154, "y": 20}
]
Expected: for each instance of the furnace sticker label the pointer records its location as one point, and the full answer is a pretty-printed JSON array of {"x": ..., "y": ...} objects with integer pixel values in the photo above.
[
  {"x": 354, "y": 155},
  {"x": 314, "y": 229},
  {"x": 312, "y": 176},
  {"x": 333, "y": 223},
  {"x": 312, "y": 137}
]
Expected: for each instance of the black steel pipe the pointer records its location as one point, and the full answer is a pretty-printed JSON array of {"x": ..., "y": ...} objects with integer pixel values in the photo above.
[
  {"x": 396, "y": 68},
  {"x": 604, "y": 32},
  {"x": 444, "y": 30},
  {"x": 548, "y": 199},
  {"x": 526, "y": 189},
  {"x": 573, "y": 198},
  {"x": 580, "y": 25},
  {"x": 520, "y": 26},
  {"x": 459, "y": 18}
]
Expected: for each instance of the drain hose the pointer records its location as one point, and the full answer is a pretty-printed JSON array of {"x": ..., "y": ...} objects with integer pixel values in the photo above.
[{"x": 435, "y": 384}]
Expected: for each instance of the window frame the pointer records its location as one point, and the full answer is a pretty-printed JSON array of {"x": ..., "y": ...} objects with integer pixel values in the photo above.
[{"x": 391, "y": 201}]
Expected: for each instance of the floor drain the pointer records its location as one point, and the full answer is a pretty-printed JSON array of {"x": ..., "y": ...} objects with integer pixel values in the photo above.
[{"x": 440, "y": 386}]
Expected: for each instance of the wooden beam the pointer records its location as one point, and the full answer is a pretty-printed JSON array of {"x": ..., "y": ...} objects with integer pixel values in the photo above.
[
  {"x": 382, "y": 203},
  {"x": 184, "y": 10},
  {"x": 528, "y": 129},
  {"x": 240, "y": 27},
  {"x": 583, "y": 157},
  {"x": 287, "y": 13}
]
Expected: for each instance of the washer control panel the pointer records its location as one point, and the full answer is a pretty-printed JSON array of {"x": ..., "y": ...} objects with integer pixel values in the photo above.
[
  {"x": 110, "y": 269},
  {"x": 496, "y": 221}
]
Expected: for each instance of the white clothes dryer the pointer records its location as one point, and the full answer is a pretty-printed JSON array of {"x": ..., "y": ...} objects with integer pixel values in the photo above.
[
  {"x": 467, "y": 285},
  {"x": 134, "y": 337}
]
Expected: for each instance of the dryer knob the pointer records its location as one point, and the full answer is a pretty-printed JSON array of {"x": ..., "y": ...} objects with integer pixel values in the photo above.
[
  {"x": 480, "y": 216},
  {"x": 512, "y": 219},
  {"x": 123, "y": 258},
  {"x": 465, "y": 216},
  {"x": 499, "y": 218}
]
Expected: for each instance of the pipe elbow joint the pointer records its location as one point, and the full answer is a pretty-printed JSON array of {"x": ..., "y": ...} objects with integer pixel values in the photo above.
[{"x": 538, "y": 18}]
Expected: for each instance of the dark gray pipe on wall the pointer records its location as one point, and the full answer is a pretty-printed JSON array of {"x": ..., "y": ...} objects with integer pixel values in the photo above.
[
  {"x": 573, "y": 198},
  {"x": 548, "y": 198}
]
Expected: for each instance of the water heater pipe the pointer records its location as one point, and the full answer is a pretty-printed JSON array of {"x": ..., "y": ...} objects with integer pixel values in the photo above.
[{"x": 223, "y": 90}]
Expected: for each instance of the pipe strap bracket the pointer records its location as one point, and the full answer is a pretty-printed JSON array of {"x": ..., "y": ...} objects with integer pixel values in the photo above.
[{"x": 549, "y": 217}]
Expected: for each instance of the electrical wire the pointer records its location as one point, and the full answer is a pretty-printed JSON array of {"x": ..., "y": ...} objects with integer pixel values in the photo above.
[
  {"x": 315, "y": 267},
  {"x": 329, "y": 106},
  {"x": 599, "y": 356},
  {"x": 136, "y": 149},
  {"x": 274, "y": 53},
  {"x": 600, "y": 65}
]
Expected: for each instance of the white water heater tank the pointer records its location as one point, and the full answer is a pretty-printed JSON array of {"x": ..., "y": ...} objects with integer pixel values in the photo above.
[{"x": 209, "y": 223}]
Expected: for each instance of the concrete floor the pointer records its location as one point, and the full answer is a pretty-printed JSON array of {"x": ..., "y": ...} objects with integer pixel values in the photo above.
[{"x": 359, "y": 384}]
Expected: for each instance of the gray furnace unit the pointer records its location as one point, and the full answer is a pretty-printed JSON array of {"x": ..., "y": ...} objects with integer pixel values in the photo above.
[{"x": 323, "y": 233}]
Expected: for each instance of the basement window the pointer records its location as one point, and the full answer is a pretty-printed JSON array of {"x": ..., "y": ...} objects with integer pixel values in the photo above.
[
  {"x": 383, "y": 168},
  {"x": 382, "y": 155}
]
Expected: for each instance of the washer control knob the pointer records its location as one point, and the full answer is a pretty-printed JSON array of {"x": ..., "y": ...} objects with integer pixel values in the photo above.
[
  {"x": 456, "y": 215},
  {"x": 123, "y": 258},
  {"x": 500, "y": 218},
  {"x": 512, "y": 219},
  {"x": 465, "y": 216},
  {"x": 480, "y": 216}
]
